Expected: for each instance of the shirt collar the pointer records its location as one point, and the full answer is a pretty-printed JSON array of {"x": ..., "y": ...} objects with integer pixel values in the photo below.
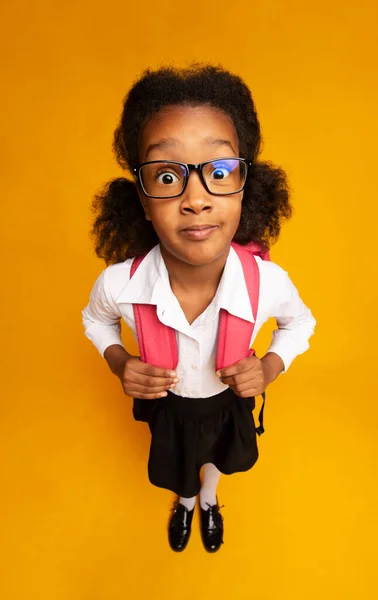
[
  {"x": 232, "y": 291},
  {"x": 142, "y": 286},
  {"x": 150, "y": 285}
]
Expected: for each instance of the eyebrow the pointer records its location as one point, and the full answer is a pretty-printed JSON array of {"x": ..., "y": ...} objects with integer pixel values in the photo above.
[
  {"x": 220, "y": 142},
  {"x": 161, "y": 145}
]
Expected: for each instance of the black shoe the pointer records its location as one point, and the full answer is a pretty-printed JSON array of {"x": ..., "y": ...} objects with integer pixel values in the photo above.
[
  {"x": 212, "y": 528},
  {"x": 180, "y": 527}
]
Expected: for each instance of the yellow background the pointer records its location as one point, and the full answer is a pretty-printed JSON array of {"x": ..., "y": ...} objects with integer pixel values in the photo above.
[{"x": 80, "y": 519}]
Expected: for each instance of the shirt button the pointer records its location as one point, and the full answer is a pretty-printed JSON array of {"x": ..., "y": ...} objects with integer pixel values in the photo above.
[
  {"x": 194, "y": 367},
  {"x": 194, "y": 394}
]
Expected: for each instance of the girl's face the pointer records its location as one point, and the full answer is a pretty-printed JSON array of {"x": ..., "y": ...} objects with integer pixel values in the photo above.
[{"x": 191, "y": 135}]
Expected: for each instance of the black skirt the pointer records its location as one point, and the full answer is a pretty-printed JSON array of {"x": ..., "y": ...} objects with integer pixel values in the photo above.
[{"x": 190, "y": 432}]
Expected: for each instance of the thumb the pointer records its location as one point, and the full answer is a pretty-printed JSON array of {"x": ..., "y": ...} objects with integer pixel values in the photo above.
[{"x": 244, "y": 364}]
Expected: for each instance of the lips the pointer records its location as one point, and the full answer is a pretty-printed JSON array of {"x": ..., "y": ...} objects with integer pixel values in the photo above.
[
  {"x": 199, "y": 232},
  {"x": 198, "y": 227}
]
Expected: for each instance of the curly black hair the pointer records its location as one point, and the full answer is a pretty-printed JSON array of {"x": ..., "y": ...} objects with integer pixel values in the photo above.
[{"x": 120, "y": 230}]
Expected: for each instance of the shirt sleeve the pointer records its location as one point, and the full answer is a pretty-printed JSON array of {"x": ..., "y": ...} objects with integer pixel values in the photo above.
[
  {"x": 101, "y": 317},
  {"x": 295, "y": 322}
]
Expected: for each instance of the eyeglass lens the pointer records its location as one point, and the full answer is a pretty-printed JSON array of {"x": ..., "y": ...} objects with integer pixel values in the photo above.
[{"x": 164, "y": 179}]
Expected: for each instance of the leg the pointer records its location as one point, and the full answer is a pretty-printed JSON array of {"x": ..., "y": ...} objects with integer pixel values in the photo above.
[
  {"x": 208, "y": 493},
  {"x": 189, "y": 503},
  {"x": 211, "y": 519}
]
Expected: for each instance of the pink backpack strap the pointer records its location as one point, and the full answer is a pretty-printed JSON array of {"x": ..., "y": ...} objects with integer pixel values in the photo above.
[
  {"x": 234, "y": 336},
  {"x": 153, "y": 335},
  {"x": 257, "y": 250}
]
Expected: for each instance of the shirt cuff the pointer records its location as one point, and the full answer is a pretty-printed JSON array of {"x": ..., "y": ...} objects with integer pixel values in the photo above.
[
  {"x": 102, "y": 337},
  {"x": 286, "y": 350}
]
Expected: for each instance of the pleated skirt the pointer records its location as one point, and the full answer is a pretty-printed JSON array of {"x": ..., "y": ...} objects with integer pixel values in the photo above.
[{"x": 187, "y": 433}]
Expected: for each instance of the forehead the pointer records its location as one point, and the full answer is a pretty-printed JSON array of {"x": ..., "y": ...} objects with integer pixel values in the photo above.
[{"x": 187, "y": 127}]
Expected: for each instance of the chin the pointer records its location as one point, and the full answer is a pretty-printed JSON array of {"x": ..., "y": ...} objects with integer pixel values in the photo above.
[{"x": 198, "y": 254}]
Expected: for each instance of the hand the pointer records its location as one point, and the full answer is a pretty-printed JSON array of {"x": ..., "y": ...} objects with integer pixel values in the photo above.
[
  {"x": 140, "y": 380},
  {"x": 250, "y": 376}
]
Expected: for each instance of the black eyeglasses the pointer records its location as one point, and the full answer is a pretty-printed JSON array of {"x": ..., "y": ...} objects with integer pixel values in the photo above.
[{"x": 168, "y": 179}]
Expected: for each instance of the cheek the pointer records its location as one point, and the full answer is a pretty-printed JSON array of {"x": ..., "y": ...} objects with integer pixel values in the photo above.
[
  {"x": 231, "y": 212},
  {"x": 163, "y": 215}
]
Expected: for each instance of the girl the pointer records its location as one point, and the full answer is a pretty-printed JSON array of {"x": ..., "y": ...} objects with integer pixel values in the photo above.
[{"x": 191, "y": 139}]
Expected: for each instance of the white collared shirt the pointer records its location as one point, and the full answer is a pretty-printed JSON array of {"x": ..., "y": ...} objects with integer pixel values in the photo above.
[{"x": 114, "y": 293}]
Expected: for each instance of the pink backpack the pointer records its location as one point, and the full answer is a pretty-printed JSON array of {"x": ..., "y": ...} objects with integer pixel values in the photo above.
[{"x": 157, "y": 342}]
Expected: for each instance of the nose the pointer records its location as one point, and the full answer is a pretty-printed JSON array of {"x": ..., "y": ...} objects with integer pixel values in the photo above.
[{"x": 196, "y": 198}]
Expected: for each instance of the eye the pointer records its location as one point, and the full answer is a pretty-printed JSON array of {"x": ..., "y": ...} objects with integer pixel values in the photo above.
[
  {"x": 166, "y": 178},
  {"x": 220, "y": 171}
]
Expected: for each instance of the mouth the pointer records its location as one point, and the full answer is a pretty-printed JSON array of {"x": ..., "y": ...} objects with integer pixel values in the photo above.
[{"x": 199, "y": 232}]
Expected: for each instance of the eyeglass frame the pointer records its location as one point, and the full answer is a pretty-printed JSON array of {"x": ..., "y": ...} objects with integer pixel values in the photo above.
[{"x": 189, "y": 167}]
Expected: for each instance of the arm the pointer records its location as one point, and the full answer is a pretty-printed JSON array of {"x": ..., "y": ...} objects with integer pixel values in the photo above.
[
  {"x": 295, "y": 323},
  {"x": 101, "y": 317},
  {"x": 250, "y": 376},
  {"x": 272, "y": 365},
  {"x": 116, "y": 357}
]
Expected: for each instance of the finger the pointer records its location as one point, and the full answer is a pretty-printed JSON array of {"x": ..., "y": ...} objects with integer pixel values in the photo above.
[
  {"x": 248, "y": 387},
  {"x": 148, "y": 381},
  {"x": 152, "y": 371},
  {"x": 135, "y": 394},
  {"x": 249, "y": 392},
  {"x": 242, "y": 366},
  {"x": 239, "y": 378},
  {"x": 145, "y": 374}
]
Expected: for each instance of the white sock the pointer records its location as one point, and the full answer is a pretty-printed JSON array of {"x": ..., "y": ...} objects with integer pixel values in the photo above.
[
  {"x": 188, "y": 502},
  {"x": 208, "y": 493}
]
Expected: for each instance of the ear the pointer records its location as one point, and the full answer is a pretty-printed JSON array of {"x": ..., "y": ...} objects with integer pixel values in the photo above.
[{"x": 144, "y": 202}]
